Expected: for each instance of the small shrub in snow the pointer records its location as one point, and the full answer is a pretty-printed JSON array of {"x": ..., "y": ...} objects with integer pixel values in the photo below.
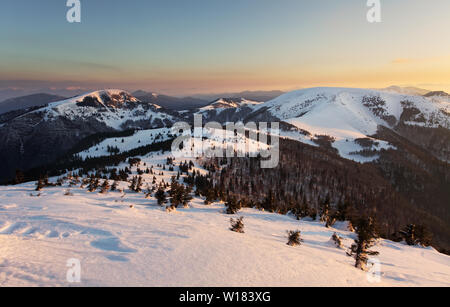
[
  {"x": 105, "y": 187},
  {"x": 232, "y": 206},
  {"x": 294, "y": 238},
  {"x": 337, "y": 240},
  {"x": 330, "y": 221},
  {"x": 237, "y": 225},
  {"x": 171, "y": 208}
]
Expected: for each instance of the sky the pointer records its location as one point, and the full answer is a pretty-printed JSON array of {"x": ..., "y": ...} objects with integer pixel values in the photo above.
[{"x": 182, "y": 47}]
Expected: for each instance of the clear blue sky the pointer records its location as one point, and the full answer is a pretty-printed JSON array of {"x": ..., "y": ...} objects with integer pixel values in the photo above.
[{"x": 181, "y": 46}]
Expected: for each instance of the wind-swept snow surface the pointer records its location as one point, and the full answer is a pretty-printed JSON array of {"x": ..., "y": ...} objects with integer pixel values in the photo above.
[{"x": 125, "y": 239}]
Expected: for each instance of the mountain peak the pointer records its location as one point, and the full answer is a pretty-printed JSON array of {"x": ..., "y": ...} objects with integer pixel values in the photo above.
[{"x": 228, "y": 103}]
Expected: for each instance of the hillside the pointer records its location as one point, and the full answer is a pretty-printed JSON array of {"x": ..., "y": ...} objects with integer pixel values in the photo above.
[
  {"x": 42, "y": 135},
  {"x": 122, "y": 238}
]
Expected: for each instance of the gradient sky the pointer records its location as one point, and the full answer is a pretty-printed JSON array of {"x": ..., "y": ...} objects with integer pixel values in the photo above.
[{"x": 198, "y": 46}]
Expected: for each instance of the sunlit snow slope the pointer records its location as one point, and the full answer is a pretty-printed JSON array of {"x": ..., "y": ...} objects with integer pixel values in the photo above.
[{"x": 126, "y": 239}]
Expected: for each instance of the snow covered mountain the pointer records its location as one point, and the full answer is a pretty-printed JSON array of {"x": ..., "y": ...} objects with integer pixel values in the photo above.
[
  {"x": 349, "y": 117},
  {"x": 225, "y": 110},
  {"x": 227, "y": 103},
  {"x": 116, "y": 109},
  {"x": 123, "y": 237},
  {"x": 42, "y": 135}
]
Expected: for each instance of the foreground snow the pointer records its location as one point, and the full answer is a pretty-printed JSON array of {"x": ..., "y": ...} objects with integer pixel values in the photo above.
[{"x": 125, "y": 239}]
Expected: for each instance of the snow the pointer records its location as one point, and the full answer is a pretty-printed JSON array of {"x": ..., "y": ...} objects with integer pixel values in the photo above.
[
  {"x": 114, "y": 117},
  {"x": 125, "y": 239},
  {"x": 341, "y": 114},
  {"x": 138, "y": 139},
  {"x": 222, "y": 104}
]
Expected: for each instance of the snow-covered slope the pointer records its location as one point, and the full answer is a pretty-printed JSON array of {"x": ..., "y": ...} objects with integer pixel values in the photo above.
[
  {"x": 125, "y": 239},
  {"x": 347, "y": 114},
  {"x": 122, "y": 144},
  {"x": 112, "y": 107},
  {"x": 227, "y": 103}
]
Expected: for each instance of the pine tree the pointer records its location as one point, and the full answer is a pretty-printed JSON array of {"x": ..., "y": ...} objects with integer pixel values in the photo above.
[
  {"x": 20, "y": 178},
  {"x": 211, "y": 196},
  {"x": 92, "y": 184},
  {"x": 360, "y": 250},
  {"x": 337, "y": 240},
  {"x": 232, "y": 206},
  {"x": 139, "y": 184},
  {"x": 294, "y": 238},
  {"x": 160, "y": 196},
  {"x": 40, "y": 184},
  {"x": 416, "y": 235},
  {"x": 325, "y": 210},
  {"x": 186, "y": 197},
  {"x": 114, "y": 186},
  {"x": 105, "y": 187},
  {"x": 237, "y": 225}
]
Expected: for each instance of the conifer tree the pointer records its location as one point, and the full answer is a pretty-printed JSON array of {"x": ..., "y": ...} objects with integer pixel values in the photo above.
[
  {"x": 360, "y": 250},
  {"x": 160, "y": 196},
  {"x": 416, "y": 235},
  {"x": 237, "y": 225},
  {"x": 187, "y": 197},
  {"x": 114, "y": 186},
  {"x": 232, "y": 206},
  {"x": 294, "y": 238},
  {"x": 105, "y": 187},
  {"x": 337, "y": 240},
  {"x": 40, "y": 184}
]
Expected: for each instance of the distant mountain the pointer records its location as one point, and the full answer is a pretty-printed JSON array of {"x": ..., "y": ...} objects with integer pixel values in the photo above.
[
  {"x": 437, "y": 94},
  {"x": 28, "y": 101},
  {"x": 226, "y": 103},
  {"x": 169, "y": 102},
  {"x": 262, "y": 96},
  {"x": 43, "y": 134},
  {"x": 405, "y": 90},
  {"x": 348, "y": 115}
]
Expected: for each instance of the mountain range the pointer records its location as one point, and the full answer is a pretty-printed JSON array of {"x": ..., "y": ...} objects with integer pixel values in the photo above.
[{"x": 400, "y": 141}]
